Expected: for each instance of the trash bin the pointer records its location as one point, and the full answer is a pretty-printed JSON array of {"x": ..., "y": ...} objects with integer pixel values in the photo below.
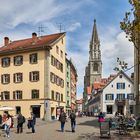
[{"x": 53, "y": 117}]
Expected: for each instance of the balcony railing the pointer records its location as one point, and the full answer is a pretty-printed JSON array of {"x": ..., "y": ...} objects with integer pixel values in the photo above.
[{"x": 120, "y": 101}]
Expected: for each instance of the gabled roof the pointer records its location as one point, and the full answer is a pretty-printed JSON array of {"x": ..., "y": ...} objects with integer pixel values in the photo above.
[
  {"x": 113, "y": 78},
  {"x": 29, "y": 43}
]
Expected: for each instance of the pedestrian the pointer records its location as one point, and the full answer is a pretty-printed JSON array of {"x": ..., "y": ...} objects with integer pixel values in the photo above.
[
  {"x": 73, "y": 120},
  {"x": 33, "y": 122},
  {"x": 20, "y": 121},
  {"x": 7, "y": 124},
  {"x": 62, "y": 119},
  {"x": 101, "y": 117}
]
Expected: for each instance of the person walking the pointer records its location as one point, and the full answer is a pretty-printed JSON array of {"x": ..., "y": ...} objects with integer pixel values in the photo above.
[
  {"x": 33, "y": 122},
  {"x": 101, "y": 117},
  {"x": 73, "y": 120},
  {"x": 62, "y": 119},
  {"x": 20, "y": 121},
  {"x": 7, "y": 124}
]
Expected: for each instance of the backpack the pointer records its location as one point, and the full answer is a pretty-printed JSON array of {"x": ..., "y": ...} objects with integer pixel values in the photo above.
[
  {"x": 72, "y": 116},
  {"x": 24, "y": 120}
]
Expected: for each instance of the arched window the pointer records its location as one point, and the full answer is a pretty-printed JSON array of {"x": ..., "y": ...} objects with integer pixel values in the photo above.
[{"x": 95, "y": 68}]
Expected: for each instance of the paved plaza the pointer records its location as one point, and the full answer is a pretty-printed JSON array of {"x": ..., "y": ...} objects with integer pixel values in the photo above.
[{"x": 87, "y": 129}]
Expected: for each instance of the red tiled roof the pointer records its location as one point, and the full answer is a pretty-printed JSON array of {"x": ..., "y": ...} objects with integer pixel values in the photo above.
[{"x": 43, "y": 41}]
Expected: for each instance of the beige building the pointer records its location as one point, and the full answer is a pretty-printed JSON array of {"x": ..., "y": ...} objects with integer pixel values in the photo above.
[{"x": 32, "y": 75}]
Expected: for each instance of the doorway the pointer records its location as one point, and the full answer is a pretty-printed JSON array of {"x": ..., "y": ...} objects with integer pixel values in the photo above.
[
  {"x": 18, "y": 109},
  {"x": 121, "y": 109},
  {"x": 36, "y": 110}
]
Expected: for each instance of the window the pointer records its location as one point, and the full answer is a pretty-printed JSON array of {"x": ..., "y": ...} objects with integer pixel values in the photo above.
[
  {"x": 68, "y": 84},
  {"x": 109, "y": 109},
  {"x": 68, "y": 103},
  {"x": 5, "y": 95},
  {"x": 120, "y": 96},
  {"x": 52, "y": 60},
  {"x": 57, "y": 50},
  {"x": 17, "y": 95},
  {"x": 52, "y": 77},
  {"x": 18, "y": 60},
  {"x": 57, "y": 96},
  {"x": 120, "y": 76},
  {"x": 61, "y": 97},
  {"x": 35, "y": 94},
  {"x": 61, "y": 54},
  {"x": 130, "y": 96},
  {"x": 52, "y": 95},
  {"x": 34, "y": 76},
  {"x": 57, "y": 64},
  {"x": 68, "y": 94},
  {"x": 67, "y": 74},
  {"x": 120, "y": 85},
  {"x": 111, "y": 85},
  {"x": 18, "y": 78},
  {"x": 95, "y": 68},
  {"x": 61, "y": 67},
  {"x": 33, "y": 58},
  {"x": 5, "y": 78},
  {"x": 5, "y": 62},
  {"x": 109, "y": 97},
  {"x": 57, "y": 80}
]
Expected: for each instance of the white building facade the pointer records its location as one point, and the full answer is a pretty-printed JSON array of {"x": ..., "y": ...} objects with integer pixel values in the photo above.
[{"x": 118, "y": 96}]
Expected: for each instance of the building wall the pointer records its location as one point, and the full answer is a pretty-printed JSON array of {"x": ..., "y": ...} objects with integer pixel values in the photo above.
[
  {"x": 111, "y": 88},
  {"x": 26, "y": 86},
  {"x": 48, "y": 106},
  {"x": 68, "y": 91},
  {"x": 54, "y": 87}
]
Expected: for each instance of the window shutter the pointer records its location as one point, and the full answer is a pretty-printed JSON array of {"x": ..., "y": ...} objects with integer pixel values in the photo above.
[
  {"x": 14, "y": 78},
  {"x": 112, "y": 96},
  {"x": 9, "y": 78},
  {"x": 117, "y": 86},
  {"x": 14, "y": 96},
  {"x": 30, "y": 74},
  {"x": 1, "y": 78},
  {"x": 106, "y": 97},
  {"x": 21, "y": 77},
  {"x": 38, "y": 75},
  {"x": 123, "y": 85}
]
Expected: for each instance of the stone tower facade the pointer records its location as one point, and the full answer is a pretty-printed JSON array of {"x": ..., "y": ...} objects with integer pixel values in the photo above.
[{"x": 93, "y": 71}]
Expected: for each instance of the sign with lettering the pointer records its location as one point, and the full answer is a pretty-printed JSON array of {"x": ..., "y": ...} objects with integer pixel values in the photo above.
[{"x": 104, "y": 128}]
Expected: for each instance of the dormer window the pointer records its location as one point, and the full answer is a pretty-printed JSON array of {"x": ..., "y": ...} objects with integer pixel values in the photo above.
[{"x": 120, "y": 76}]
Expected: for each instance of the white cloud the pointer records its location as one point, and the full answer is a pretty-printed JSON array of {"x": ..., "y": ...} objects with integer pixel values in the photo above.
[{"x": 73, "y": 27}]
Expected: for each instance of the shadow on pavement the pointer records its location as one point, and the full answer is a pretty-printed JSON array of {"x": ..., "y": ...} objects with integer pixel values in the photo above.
[
  {"x": 58, "y": 130},
  {"x": 28, "y": 132},
  {"x": 93, "y": 123},
  {"x": 68, "y": 131}
]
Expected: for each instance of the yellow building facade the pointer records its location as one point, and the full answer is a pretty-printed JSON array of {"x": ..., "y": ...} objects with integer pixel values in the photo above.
[{"x": 32, "y": 75}]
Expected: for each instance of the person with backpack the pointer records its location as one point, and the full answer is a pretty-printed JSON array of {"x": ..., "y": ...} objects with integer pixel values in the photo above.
[
  {"x": 20, "y": 122},
  {"x": 62, "y": 119},
  {"x": 73, "y": 120}
]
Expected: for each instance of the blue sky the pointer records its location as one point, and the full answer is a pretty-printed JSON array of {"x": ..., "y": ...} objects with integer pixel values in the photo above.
[{"x": 19, "y": 19}]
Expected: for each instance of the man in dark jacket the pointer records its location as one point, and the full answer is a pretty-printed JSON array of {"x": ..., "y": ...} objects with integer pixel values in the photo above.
[
  {"x": 20, "y": 121},
  {"x": 33, "y": 122},
  {"x": 73, "y": 121},
  {"x": 62, "y": 119}
]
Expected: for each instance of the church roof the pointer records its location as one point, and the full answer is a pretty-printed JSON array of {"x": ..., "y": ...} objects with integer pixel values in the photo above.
[
  {"x": 94, "y": 38},
  {"x": 89, "y": 90}
]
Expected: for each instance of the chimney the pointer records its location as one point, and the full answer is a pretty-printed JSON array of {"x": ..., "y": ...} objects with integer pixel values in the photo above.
[
  {"x": 34, "y": 37},
  {"x": 6, "y": 41}
]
